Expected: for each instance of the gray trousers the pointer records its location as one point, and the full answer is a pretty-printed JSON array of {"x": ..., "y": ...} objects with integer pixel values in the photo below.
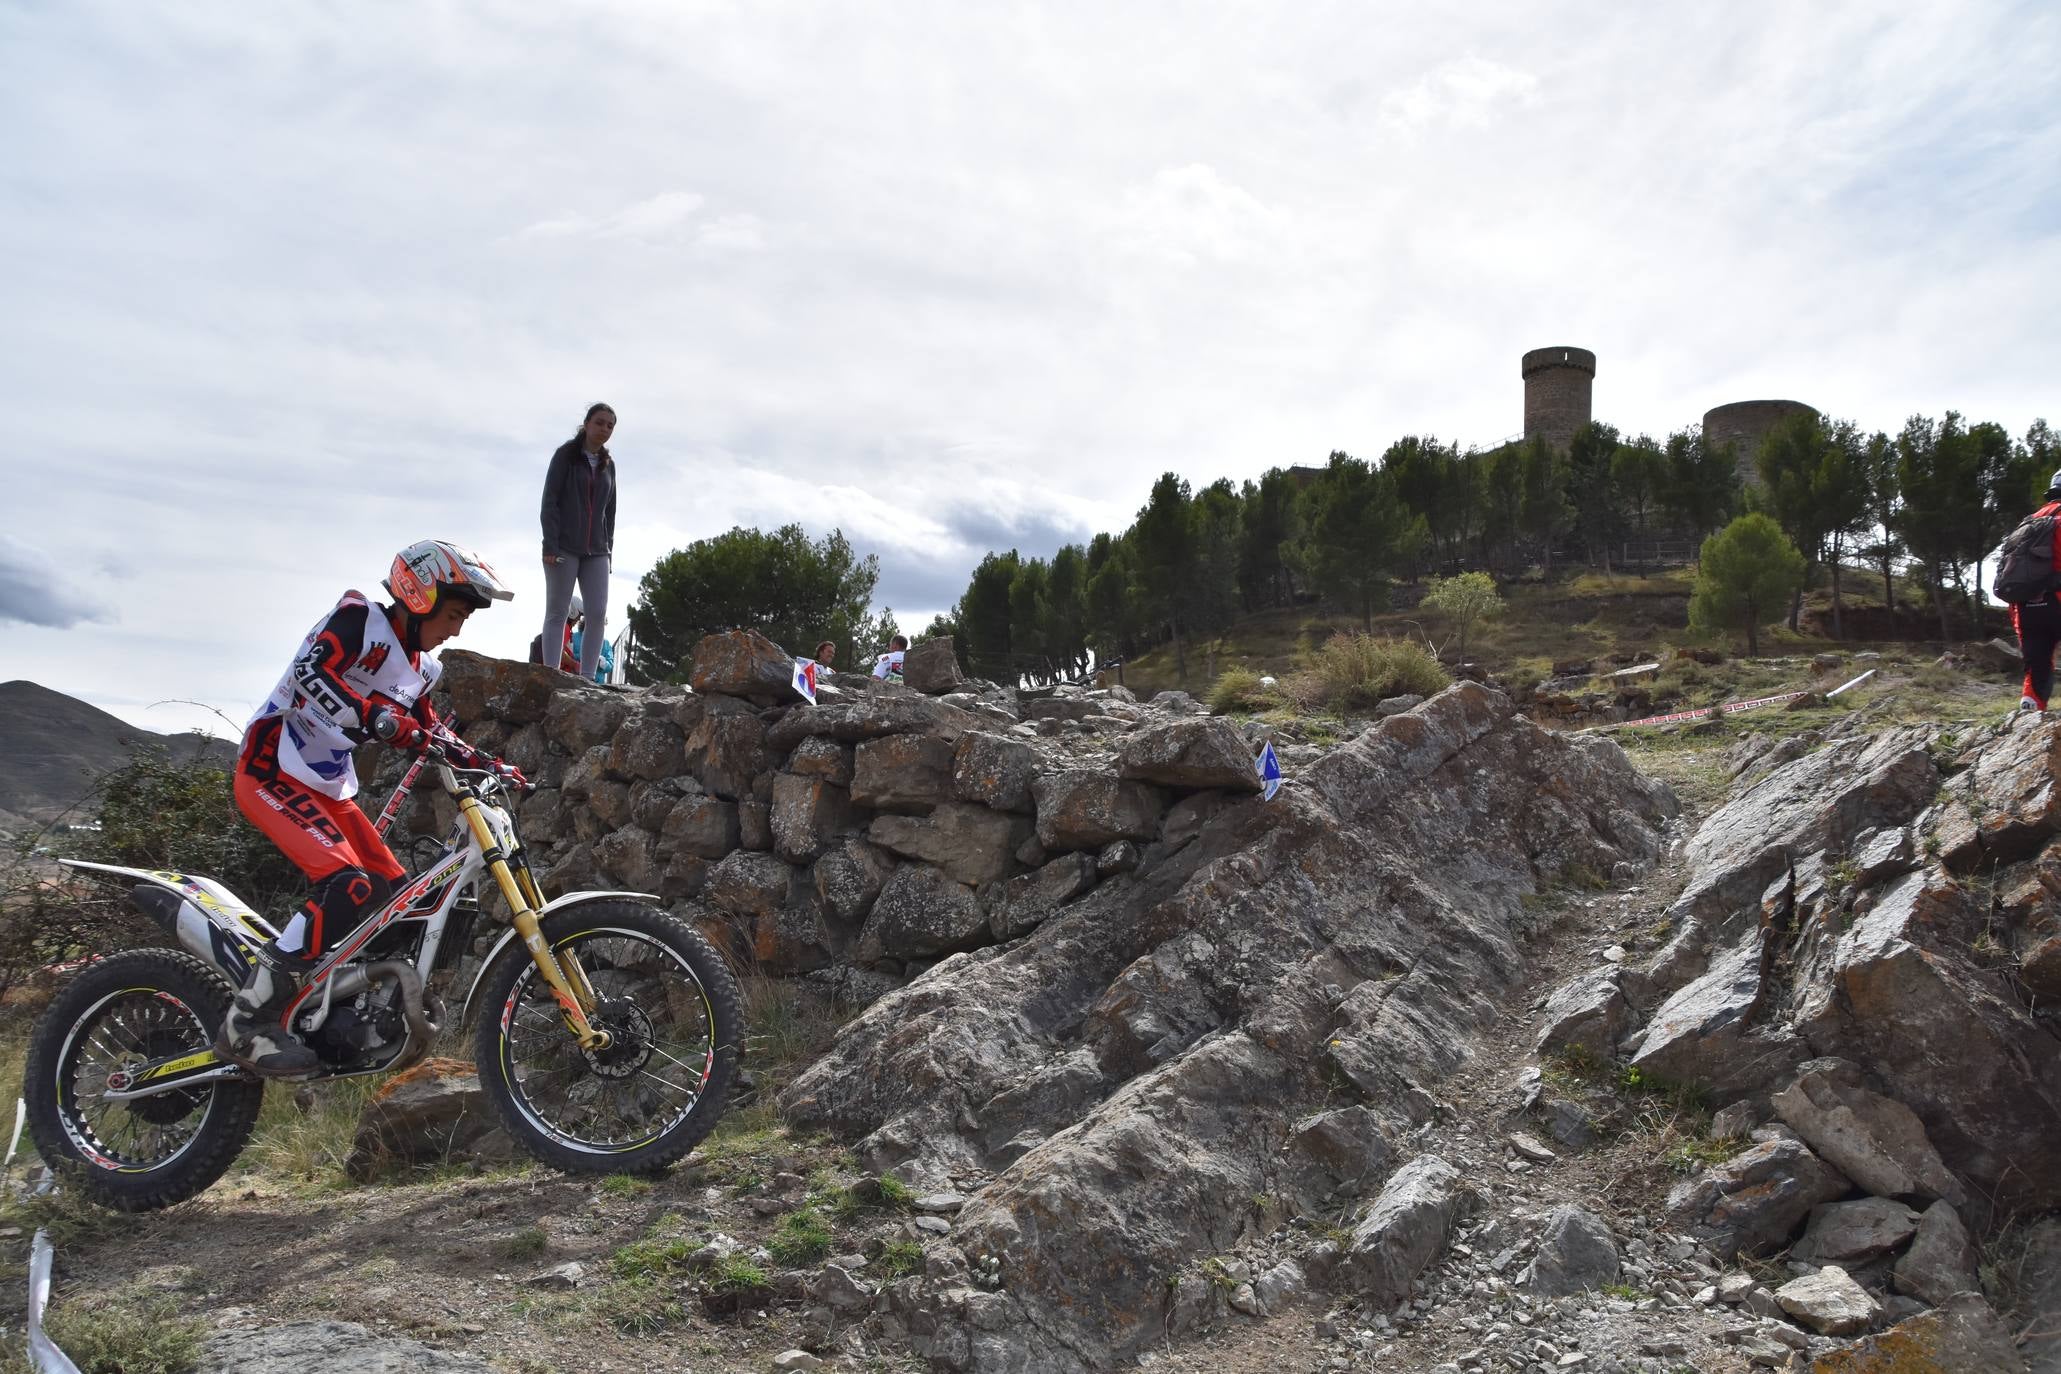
[{"x": 591, "y": 574}]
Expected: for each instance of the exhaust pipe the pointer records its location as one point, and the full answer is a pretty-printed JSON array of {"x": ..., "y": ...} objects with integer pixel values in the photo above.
[{"x": 421, "y": 1014}]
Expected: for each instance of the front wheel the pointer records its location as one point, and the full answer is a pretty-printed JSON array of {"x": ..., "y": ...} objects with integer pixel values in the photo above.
[
  {"x": 121, "y": 1013},
  {"x": 669, "y": 1003}
]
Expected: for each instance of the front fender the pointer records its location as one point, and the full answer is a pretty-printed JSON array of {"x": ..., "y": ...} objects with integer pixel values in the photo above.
[{"x": 569, "y": 900}]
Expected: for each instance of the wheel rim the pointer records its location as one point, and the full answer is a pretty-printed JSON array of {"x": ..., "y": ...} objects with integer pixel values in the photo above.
[
  {"x": 652, "y": 1075},
  {"x": 119, "y": 1034}
]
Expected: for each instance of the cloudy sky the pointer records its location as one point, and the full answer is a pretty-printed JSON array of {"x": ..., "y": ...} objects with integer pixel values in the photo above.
[{"x": 291, "y": 285}]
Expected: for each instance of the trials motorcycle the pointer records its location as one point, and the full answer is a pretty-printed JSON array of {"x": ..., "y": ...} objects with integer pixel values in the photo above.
[{"x": 607, "y": 1033}]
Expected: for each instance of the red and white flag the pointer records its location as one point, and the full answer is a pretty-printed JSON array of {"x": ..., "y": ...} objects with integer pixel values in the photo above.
[{"x": 805, "y": 678}]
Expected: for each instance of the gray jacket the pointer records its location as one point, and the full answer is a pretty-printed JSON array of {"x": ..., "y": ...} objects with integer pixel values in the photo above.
[{"x": 579, "y": 503}]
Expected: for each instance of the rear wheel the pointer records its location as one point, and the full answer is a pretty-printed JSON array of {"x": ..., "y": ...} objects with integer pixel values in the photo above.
[
  {"x": 670, "y": 1006},
  {"x": 116, "y": 1016}
]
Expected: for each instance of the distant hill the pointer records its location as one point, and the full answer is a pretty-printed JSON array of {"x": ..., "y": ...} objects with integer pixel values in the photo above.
[{"x": 53, "y": 746}]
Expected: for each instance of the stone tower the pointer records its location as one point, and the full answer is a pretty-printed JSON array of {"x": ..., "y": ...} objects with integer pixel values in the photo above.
[
  {"x": 1744, "y": 424},
  {"x": 1557, "y": 383}
]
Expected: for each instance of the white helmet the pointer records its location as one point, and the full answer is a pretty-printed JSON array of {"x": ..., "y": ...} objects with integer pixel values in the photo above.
[
  {"x": 574, "y": 609},
  {"x": 424, "y": 572}
]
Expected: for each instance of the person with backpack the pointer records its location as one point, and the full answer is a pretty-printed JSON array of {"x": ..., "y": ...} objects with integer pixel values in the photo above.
[{"x": 2025, "y": 578}]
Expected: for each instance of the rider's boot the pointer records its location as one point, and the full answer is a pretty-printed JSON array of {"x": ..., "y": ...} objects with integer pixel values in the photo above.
[{"x": 255, "y": 1034}]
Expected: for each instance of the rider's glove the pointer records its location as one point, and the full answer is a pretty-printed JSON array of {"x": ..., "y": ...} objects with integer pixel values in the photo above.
[{"x": 398, "y": 729}]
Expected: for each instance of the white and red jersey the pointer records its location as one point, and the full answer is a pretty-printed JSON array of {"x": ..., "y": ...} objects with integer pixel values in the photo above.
[{"x": 350, "y": 662}]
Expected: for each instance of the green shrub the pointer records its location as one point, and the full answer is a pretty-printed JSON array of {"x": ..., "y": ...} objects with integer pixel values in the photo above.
[
  {"x": 1240, "y": 689},
  {"x": 154, "y": 812},
  {"x": 1356, "y": 671},
  {"x": 1522, "y": 678},
  {"x": 157, "y": 812}
]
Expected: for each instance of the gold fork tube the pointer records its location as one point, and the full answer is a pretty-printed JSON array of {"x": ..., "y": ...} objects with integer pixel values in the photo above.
[{"x": 524, "y": 918}]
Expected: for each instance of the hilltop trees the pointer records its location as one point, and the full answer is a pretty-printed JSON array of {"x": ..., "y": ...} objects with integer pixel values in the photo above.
[
  {"x": 1700, "y": 482},
  {"x": 1358, "y": 533},
  {"x": 1815, "y": 486},
  {"x": 1927, "y": 502},
  {"x": 788, "y": 587}
]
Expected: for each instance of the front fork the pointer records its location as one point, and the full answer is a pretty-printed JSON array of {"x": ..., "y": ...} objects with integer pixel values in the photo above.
[{"x": 561, "y": 970}]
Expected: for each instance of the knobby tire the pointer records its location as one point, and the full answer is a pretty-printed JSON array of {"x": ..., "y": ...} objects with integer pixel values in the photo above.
[
  {"x": 231, "y": 1103},
  {"x": 514, "y": 971}
]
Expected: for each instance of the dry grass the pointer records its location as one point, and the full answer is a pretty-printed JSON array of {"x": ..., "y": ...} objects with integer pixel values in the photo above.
[
  {"x": 1356, "y": 671},
  {"x": 308, "y": 1146},
  {"x": 787, "y": 1024}
]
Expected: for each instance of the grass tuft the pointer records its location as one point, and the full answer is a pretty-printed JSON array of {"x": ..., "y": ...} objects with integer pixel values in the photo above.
[
  {"x": 738, "y": 1277},
  {"x": 899, "y": 1258},
  {"x": 1240, "y": 689},
  {"x": 127, "y": 1337},
  {"x": 638, "y": 1306},
  {"x": 803, "y": 1237},
  {"x": 527, "y": 1243},
  {"x": 653, "y": 1257}
]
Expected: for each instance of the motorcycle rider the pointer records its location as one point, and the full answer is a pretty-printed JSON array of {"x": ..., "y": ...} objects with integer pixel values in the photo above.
[{"x": 294, "y": 776}]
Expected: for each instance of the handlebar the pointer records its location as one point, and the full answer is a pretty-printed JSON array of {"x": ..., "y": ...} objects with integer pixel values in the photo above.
[{"x": 385, "y": 725}]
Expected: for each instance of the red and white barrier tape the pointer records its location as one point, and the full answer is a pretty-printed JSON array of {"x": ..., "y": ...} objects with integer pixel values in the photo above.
[{"x": 1728, "y": 708}]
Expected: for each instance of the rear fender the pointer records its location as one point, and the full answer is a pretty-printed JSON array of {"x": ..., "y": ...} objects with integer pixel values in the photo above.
[
  {"x": 206, "y": 918},
  {"x": 508, "y": 937}
]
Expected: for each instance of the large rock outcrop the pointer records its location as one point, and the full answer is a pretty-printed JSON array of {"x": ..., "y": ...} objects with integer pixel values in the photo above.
[
  {"x": 1135, "y": 1066},
  {"x": 1856, "y": 947}
]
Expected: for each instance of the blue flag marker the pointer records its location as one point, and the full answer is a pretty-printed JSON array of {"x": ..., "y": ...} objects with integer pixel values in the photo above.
[{"x": 1269, "y": 771}]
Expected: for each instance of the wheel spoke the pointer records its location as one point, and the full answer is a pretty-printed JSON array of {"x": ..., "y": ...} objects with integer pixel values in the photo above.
[
  {"x": 127, "y": 1031},
  {"x": 614, "y": 1097}
]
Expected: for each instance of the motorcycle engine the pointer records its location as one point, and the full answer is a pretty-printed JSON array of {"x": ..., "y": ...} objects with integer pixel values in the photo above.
[{"x": 361, "y": 1029}]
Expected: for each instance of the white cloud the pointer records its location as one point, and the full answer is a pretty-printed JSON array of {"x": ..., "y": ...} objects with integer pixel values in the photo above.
[
  {"x": 949, "y": 278},
  {"x": 1191, "y": 215},
  {"x": 657, "y": 217},
  {"x": 1465, "y": 92}
]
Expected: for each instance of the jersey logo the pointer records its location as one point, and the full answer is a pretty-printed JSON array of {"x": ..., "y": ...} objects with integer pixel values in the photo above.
[{"x": 374, "y": 659}]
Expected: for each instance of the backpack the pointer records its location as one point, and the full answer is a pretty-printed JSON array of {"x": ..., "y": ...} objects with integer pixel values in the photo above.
[{"x": 2025, "y": 566}]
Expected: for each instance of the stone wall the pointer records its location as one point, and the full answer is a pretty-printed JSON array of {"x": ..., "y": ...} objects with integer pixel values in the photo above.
[{"x": 870, "y": 834}]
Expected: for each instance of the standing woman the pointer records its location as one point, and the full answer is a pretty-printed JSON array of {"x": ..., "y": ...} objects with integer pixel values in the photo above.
[{"x": 579, "y": 532}]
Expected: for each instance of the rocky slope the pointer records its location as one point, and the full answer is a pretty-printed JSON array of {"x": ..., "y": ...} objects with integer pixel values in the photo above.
[
  {"x": 1167, "y": 1058},
  {"x": 1862, "y": 978}
]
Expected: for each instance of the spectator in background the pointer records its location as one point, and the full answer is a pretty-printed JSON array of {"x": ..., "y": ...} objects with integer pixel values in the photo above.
[
  {"x": 826, "y": 654},
  {"x": 579, "y": 531},
  {"x": 889, "y": 664},
  {"x": 2037, "y": 620},
  {"x": 575, "y": 646}
]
